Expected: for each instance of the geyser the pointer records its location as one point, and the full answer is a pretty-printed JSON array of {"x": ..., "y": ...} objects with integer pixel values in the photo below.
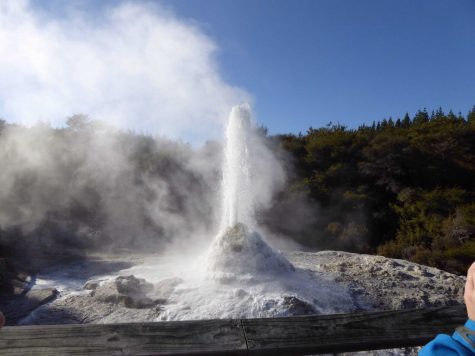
[
  {"x": 238, "y": 252},
  {"x": 243, "y": 276},
  {"x": 237, "y": 201}
]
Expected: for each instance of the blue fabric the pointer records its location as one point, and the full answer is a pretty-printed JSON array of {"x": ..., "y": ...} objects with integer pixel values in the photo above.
[{"x": 450, "y": 345}]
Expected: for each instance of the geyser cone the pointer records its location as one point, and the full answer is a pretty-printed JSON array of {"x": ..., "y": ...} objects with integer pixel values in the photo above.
[{"x": 238, "y": 253}]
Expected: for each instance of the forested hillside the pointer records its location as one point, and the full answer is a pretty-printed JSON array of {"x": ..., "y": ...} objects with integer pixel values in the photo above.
[{"x": 402, "y": 188}]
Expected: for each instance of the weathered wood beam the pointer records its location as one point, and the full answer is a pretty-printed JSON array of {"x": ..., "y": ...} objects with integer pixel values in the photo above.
[
  {"x": 204, "y": 337},
  {"x": 349, "y": 332},
  {"x": 284, "y": 336}
]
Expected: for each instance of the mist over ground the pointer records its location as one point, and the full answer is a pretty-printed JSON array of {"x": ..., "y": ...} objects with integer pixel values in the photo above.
[
  {"x": 87, "y": 187},
  {"x": 84, "y": 187}
]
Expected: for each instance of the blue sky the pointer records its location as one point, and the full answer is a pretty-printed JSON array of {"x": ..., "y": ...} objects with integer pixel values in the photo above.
[{"x": 309, "y": 62}]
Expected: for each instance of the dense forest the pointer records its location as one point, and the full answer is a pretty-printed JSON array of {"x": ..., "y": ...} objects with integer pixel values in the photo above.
[{"x": 402, "y": 188}]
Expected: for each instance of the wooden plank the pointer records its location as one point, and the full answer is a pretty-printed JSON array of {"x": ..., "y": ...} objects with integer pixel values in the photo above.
[
  {"x": 284, "y": 336},
  {"x": 349, "y": 332},
  {"x": 206, "y": 337}
]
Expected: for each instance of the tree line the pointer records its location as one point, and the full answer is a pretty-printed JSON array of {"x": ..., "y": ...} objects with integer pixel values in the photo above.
[{"x": 401, "y": 188}]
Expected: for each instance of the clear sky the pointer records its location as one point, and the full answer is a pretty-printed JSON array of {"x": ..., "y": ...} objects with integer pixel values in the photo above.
[{"x": 309, "y": 62}]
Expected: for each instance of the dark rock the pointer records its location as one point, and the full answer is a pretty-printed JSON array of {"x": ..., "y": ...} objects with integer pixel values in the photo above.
[
  {"x": 405, "y": 276},
  {"x": 16, "y": 307},
  {"x": 297, "y": 306},
  {"x": 428, "y": 274},
  {"x": 14, "y": 280},
  {"x": 18, "y": 297},
  {"x": 91, "y": 285}
]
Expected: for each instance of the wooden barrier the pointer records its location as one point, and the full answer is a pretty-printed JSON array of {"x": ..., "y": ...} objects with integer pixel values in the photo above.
[{"x": 270, "y": 336}]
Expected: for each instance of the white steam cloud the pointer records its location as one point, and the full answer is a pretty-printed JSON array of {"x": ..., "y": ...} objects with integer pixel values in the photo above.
[
  {"x": 137, "y": 66},
  {"x": 78, "y": 184}
]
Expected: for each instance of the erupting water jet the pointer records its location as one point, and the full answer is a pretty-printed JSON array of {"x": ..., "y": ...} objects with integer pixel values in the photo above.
[
  {"x": 237, "y": 200},
  {"x": 237, "y": 251},
  {"x": 243, "y": 275}
]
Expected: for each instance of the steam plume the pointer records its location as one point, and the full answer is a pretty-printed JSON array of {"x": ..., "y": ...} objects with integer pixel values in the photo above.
[{"x": 135, "y": 65}]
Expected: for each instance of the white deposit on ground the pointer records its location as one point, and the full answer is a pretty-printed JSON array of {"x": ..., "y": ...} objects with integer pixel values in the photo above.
[
  {"x": 244, "y": 277},
  {"x": 372, "y": 282}
]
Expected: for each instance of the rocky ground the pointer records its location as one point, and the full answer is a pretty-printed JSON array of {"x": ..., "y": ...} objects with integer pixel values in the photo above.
[
  {"x": 375, "y": 283},
  {"x": 385, "y": 284},
  {"x": 379, "y": 283}
]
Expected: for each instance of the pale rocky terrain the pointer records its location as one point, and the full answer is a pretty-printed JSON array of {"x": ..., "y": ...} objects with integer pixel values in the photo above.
[
  {"x": 382, "y": 283},
  {"x": 374, "y": 282}
]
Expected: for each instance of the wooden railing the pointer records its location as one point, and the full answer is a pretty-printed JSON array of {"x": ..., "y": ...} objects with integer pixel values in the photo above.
[{"x": 270, "y": 336}]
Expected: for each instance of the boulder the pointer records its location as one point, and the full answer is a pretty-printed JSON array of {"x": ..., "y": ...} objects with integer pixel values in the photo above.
[
  {"x": 128, "y": 291},
  {"x": 297, "y": 306}
]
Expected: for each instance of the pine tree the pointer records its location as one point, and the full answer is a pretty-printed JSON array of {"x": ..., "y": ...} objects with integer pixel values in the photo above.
[
  {"x": 390, "y": 122},
  {"x": 471, "y": 115},
  {"x": 439, "y": 114},
  {"x": 421, "y": 117},
  {"x": 406, "y": 121},
  {"x": 451, "y": 116}
]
